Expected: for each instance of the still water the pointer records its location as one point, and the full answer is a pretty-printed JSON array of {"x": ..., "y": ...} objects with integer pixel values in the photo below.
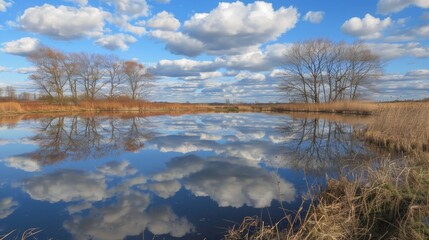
[{"x": 161, "y": 177}]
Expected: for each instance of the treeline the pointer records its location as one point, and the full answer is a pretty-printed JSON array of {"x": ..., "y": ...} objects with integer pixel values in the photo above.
[
  {"x": 62, "y": 77},
  {"x": 323, "y": 71}
]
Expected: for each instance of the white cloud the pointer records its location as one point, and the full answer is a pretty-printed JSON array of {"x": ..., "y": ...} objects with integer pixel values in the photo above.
[
  {"x": 63, "y": 22},
  {"x": 120, "y": 169},
  {"x": 163, "y": 1},
  {"x": 234, "y": 25},
  {"x": 368, "y": 27},
  {"x": 116, "y": 41},
  {"x": 22, "y": 46},
  {"x": 314, "y": 17},
  {"x": 130, "y": 8},
  {"x": 123, "y": 23},
  {"x": 165, "y": 189},
  {"x": 183, "y": 67},
  {"x": 179, "y": 43},
  {"x": 7, "y": 207},
  {"x": 66, "y": 185},
  {"x": 4, "y": 69},
  {"x": 250, "y": 76},
  {"x": 392, "y": 6},
  {"x": 4, "y": 5},
  {"x": 128, "y": 217},
  {"x": 396, "y": 50},
  {"x": 218, "y": 32},
  {"x": 26, "y": 70},
  {"x": 23, "y": 163},
  {"x": 205, "y": 76},
  {"x": 164, "y": 21}
]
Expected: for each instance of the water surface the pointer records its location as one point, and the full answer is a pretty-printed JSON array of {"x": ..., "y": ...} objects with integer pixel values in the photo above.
[{"x": 161, "y": 177}]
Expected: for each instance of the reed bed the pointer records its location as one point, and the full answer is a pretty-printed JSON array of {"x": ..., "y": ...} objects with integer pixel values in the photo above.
[
  {"x": 348, "y": 107},
  {"x": 387, "y": 201},
  {"x": 401, "y": 127}
]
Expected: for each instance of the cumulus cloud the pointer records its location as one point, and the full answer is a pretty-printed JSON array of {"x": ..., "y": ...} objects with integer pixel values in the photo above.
[
  {"x": 164, "y": 21},
  {"x": 63, "y": 22},
  {"x": 23, "y": 163},
  {"x": 130, "y": 8},
  {"x": 7, "y": 207},
  {"x": 217, "y": 32},
  {"x": 229, "y": 184},
  {"x": 368, "y": 27},
  {"x": 4, "y": 5},
  {"x": 116, "y": 41},
  {"x": 205, "y": 76},
  {"x": 165, "y": 189},
  {"x": 119, "y": 169},
  {"x": 392, "y": 6},
  {"x": 66, "y": 185},
  {"x": 26, "y": 70},
  {"x": 131, "y": 210},
  {"x": 22, "y": 46},
  {"x": 4, "y": 69},
  {"x": 396, "y": 50},
  {"x": 183, "y": 67},
  {"x": 250, "y": 76},
  {"x": 252, "y": 24},
  {"x": 314, "y": 17},
  {"x": 179, "y": 43}
]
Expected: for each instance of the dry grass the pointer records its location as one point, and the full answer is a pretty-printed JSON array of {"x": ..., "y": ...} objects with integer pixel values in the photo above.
[
  {"x": 389, "y": 201},
  {"x": 401, "y": 127},
  {"x": 334, "y": 107},
  {"x": 9, "y": 107},
  {"x": 31, "y": 232}
]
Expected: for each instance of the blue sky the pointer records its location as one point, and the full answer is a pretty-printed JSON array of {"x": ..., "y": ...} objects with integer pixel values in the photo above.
[{"x": 205, "y": 51}]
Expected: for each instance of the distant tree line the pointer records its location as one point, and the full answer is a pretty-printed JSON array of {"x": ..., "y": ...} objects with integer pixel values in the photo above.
[
  {"x": 81, "y": 76},
  {"x": 323, "y": 71}
]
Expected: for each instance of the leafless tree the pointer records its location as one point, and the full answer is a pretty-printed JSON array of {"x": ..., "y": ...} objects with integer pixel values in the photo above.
[
  {"x": 49, "y": 76},
  {"x": 138, "y": 79},
  {"x": 115, "y": 75},
  {"x": 323, "y": 71},
  {"x": 91, "y": 74}
]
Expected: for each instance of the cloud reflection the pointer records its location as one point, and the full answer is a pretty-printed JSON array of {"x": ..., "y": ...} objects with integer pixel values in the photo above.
[{"x": 7, "y": 207}]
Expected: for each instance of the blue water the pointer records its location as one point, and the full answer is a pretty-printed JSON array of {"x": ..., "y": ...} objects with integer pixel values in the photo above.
[{"x": 162, "y": 177}]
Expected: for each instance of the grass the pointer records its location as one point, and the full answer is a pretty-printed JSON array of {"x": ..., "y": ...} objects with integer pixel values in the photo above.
[
  {"x": 401, "y": 127},
  {"x": 385, "y": 198},
  {"x": 31, "y": 232}
]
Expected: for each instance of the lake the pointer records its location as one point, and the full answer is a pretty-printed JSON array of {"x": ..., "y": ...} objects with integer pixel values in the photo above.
[{"x": 162, "y": 177}]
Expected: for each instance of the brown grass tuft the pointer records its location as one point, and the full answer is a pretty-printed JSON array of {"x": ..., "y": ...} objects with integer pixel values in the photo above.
[{"x": 401, "y": 127}]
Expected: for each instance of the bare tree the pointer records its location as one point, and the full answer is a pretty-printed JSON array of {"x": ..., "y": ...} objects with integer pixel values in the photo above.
[
  {"x": 49, "y": 76},
  {"x": 91, "y": 74},
  {"x": 323, "y": 71},
  {"x": 138, "y": 79},
  {"x": 10, "y": 92},
  {"x": 115, "y": 74}
]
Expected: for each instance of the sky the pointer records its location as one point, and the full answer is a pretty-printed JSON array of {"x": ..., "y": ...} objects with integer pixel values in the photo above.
[{"x": 217, "y": 51}]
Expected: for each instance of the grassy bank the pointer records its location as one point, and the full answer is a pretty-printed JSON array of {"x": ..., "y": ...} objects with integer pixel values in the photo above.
[
  {"x": 385, "y": 198},
  {"x": 355, "y": 108}
]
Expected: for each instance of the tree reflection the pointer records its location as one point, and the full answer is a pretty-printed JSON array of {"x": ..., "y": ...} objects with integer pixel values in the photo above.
[
  {"x": 321, "y": 145},
  {"x": 78, "y": 138}
]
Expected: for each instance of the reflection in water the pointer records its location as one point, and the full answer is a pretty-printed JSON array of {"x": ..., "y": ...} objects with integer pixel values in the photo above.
[
  {"x": 7, "y": 207},
  {"x": 61, "y": 138},
  {"x": 321, "y": 145},
  {"x": 173, "y": 176},
  {"x": 229, "y": 184},
  {"x": 128, "y": 216}
]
